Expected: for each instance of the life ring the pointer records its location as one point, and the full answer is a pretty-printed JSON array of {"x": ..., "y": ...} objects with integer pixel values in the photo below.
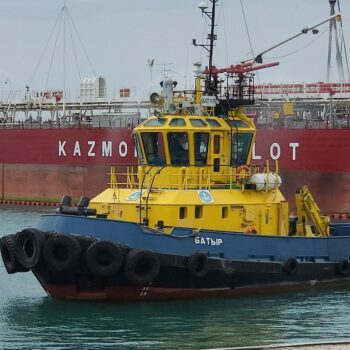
[
  {"x": 290, "y": 265},
  {"x": 343, "y": 267},
  {"x": 29, "y": 243},
  {"x": 8, "y": 254},
  {"x": 240, "y": 169},
  {"x": 62, "y": 253},
  {"x": 104, "y": 258},
  {"x": 251, "y": 231},
  {"x": 197, "y": 264},
  {"x": 141, "y": 267}
]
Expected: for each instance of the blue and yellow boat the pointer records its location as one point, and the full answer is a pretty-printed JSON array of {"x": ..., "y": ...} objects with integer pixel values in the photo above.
[{"x": 194, "y": 218}]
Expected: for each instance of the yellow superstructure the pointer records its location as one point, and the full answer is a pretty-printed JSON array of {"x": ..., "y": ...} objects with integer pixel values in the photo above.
[{"x": 194, "y": 171}]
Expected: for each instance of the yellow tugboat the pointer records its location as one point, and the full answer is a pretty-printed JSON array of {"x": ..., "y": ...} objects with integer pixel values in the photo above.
[
  {"x": 194, "y": 218},
  {"x": 194, "y": 172}
]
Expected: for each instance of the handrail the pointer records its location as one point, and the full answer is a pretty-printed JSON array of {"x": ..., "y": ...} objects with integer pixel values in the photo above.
[
  {"x": 202, "y": 177},
  {"x": 149, "y": 191},
  {"x": 141, "y": 190}
]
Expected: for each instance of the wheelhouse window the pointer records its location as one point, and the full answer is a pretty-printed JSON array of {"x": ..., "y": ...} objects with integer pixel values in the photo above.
[
  {"x": 153, "y": 145},
  {"x": 155, "y": 122},
  {"x": 138, "y": 150},
  {"x": 241, "y": 143},
  {"x": 238, "y": 124},
  {"x": 197, "y": 122},
  {"x": 178, "y": 122},
  {"x": 214, "y": 123},
  {"x": 201, "y": 140},
  {"x": 216, "y": 144},
  {"x": 178, "y": 148}
]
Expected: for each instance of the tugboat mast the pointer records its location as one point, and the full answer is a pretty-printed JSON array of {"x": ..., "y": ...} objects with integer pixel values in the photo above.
[
  {"x": 212, "y": 37},
  {"x": 238, "y": 89},
  {"x": 210, "y": 86}
]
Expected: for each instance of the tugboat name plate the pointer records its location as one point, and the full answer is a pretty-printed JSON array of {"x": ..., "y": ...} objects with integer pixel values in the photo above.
[
  {"x": 208, "y": 101},
  {"x": 208, "y": 241}
]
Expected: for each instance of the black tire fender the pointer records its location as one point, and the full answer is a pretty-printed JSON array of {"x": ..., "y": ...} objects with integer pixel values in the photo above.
[
  {"x": 85, "y": 242},
  {"x": 343, "y": 267},
  {"x": 104, "y": 258},
  {"x": 290, "y": 266},
  {"x": 62, "y": 253},
  {"x": 28, "y": 247},
  {"x": 141, "y": 267},
  {"x": 197, "y": 264},
  {"x": 8, "y": 254}
]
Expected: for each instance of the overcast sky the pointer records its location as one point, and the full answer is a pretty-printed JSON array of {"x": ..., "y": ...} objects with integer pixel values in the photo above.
[{"x": 120, "y": 36}]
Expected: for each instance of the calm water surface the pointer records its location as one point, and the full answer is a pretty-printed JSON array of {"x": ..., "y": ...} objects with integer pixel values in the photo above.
[{"x": 31, "y": 320}]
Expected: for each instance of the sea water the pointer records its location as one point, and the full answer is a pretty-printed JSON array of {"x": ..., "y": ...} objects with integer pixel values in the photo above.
[{"x": 31, "y": 320}]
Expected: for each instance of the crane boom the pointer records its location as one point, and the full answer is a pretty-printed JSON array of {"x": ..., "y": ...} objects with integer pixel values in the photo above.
[{"x": 310, "y": 214}]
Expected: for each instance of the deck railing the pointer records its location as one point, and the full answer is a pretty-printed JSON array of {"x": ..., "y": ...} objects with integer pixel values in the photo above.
[{"x": 190, "y": 177}]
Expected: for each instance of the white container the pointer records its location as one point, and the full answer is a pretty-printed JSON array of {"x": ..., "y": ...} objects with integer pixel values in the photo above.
[{"x": 261, "y": 179}]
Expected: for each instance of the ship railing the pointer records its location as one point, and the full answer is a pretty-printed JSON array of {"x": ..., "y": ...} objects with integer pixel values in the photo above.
[
  {"x": 48, "y": 124},
  {"x": 199, "y": 177},
  {"x": 289, "y": 122},
  {"x": 74, "y": 121},
  {"x": 306, "y": 115}
]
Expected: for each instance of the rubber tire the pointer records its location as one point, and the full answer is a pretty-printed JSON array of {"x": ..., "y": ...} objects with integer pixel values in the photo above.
[
  {"x": 197, "y": 264},
  {"x": 62, "y": 253},
  {"x": 343, "y": 267},
  {"x": 29, "y": 243},
  {"x": 85, "y": 242},
  {"x": 8, "y": 254},
  {"x": 290, "y": 266},
  {"x": 141, "y": 267},
  {"x": 104, "y": 258}
]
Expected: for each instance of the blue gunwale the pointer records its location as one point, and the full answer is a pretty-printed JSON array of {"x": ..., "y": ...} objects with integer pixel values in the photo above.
[{"x": 221, "y": 244}]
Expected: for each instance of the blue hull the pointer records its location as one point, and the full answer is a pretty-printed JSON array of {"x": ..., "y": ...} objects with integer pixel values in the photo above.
[
  {"x": 78, "y": 257},
  {"x": 220, "y": 244}
]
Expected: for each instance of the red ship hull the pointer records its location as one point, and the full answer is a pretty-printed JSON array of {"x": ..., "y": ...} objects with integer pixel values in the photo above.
[
  {"x": 71, "y": 292},
  {"x": 318, "y": 158},
  {"x": 44, "y": 164}
]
